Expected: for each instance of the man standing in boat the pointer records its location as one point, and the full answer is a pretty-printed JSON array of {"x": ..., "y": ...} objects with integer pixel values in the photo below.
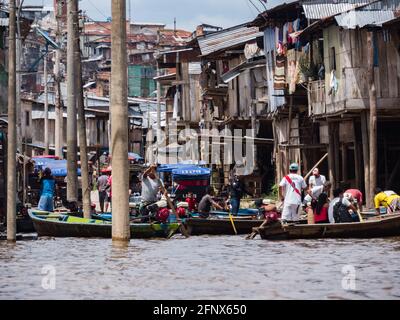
[
  {"x": 236, "y": 192},
  {"x": 150, "y": 188},
  {"x": 316, "y": 179},
  {"x": 290, "y": 189}
]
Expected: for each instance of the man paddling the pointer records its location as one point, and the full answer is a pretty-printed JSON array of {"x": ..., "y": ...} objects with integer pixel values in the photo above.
[
  {"x": 150, "y": 188},
  {"x": 206, "y": 202},
  {"x": 290, "y": 189}
]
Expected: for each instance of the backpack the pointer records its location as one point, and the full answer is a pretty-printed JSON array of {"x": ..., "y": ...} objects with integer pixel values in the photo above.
[{"x": 341, "y": 213}]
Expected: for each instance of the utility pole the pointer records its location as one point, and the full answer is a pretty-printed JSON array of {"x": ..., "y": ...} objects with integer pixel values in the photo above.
[
  {"x": 12, "y": 129},
  {"x": 58, "y": 136},
  {"x": 373, "y": 136},
  {"x": 46, "y": 108},
  {"x": 18, "y": 75},
  {"x": 119, "y": 123},
  {"x": 82, "y": 133},
  {"x": 72, "y": 166}
]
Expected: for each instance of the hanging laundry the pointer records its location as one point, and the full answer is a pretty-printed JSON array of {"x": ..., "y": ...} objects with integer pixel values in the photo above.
[
  {"x": 279, "y": 77},
  {"x": 285, "y": 33},
  {"x": 333, "y": 84},
  {"x": 290, "y": 30},
  {"x": 176, "y": 104},
  {"x": 292, "y": 68},
  {"x": 280, "y": 49}
]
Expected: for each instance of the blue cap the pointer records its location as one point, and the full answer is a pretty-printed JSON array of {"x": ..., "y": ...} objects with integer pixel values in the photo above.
[{"x": 294, "y": 166}]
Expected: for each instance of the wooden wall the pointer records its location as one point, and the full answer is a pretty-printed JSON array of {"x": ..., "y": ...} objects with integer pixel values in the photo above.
[{"x": 351, "y": 70}]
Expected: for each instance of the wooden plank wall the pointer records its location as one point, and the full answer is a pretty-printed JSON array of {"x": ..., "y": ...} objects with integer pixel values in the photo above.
[{"x": 352, "y": 64}]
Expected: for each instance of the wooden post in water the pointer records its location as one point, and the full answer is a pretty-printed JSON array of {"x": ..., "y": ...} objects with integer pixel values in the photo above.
[
  {"x": 12, "y": 128},
  {"x": 365, "y": 135},
  {"x": 72, "y": 137},
  {"x": 373, "y": 135},
  {"x": 119, "y": 123},
  {"x": 82, "y": 132}
]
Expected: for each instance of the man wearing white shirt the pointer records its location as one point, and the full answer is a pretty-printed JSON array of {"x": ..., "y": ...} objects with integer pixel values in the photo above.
[
  {"x": 290, "y": 193},
  {"x": 316, "y": 179}
]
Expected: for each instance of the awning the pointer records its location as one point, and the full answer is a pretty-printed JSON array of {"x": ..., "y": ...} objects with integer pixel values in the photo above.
[
  {"x": 58, "y": 167},
  {"x": 188, "y": 172}
]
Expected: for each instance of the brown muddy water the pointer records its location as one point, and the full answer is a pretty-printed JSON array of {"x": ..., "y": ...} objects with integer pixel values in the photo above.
[{"x": 200, "y": 268}]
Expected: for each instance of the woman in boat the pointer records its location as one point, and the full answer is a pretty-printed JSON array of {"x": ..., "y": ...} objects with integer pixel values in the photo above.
[
  {"x": 47, "y": 190},
  {"x": 321, "y": 209}
]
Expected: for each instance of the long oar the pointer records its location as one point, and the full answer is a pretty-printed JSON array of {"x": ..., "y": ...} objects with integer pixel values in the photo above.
[
  {"x": 360, "y": 216},
  {"x": 232, "y": 222},
  {"x": 252, "y": 235}
]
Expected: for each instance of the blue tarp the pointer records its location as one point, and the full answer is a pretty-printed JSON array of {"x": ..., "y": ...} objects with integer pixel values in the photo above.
[
  {"x": 185, "y": 171},
  {"x": 58, "y": 167},
  {"x": 189, "y": 172},
  {"x": 168, "y": 167}
]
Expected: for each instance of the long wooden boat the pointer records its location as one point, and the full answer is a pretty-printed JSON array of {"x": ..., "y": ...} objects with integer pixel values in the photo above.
[
  {"x": 61, "y": 225},
  {"x": 383, "y": 226},
  {"x": 25, "y": 225},
  {"x": 220, "y": 226}
]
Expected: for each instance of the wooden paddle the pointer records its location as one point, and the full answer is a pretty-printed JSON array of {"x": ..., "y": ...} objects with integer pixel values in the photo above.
[
  {"x": 252, "y": 235},
  {"x": 232, "y": 222}
]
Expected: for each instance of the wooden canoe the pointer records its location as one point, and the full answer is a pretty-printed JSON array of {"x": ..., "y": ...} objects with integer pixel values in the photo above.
[
  {"x": 383, "y": 226},
  {"x": 220, "y": 226},
  {"x": 61, "y": 225}
]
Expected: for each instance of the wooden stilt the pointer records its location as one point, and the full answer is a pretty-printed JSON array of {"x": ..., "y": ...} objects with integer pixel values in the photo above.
[
  {"x": 357, "y": 160},
  {"x": 365, "y": 143},
  {"x": 331, "y": 158}
]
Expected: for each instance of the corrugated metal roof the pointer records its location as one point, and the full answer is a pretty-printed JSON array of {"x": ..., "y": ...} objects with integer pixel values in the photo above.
[
  {"x": 320, "y": 9},
  {"x": 375, "y": 14},
  {"x": 360, "y": 19},
  {"x": 227, "y": 38}
]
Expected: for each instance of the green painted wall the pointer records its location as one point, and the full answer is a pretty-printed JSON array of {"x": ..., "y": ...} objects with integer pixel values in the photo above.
[{"x": 140, "y": 81}]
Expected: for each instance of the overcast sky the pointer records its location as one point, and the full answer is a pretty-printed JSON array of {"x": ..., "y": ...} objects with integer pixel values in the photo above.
[{"x": 189, "y": 13}]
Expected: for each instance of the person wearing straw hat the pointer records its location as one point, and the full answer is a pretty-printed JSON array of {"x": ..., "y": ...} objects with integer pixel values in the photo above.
[{"x": 290, "y": 189}]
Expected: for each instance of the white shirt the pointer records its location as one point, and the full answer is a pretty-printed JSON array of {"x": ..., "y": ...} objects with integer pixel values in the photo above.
[
  {"x": 315, "y": 193},
  {"x": 291, "y": 196},
  {"x": 345, "y": 201},
  {"x": 314, "y": 181}
]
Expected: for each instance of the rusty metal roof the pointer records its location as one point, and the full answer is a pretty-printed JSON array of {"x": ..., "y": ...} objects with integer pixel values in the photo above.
[{"x": 227, "y": 38}]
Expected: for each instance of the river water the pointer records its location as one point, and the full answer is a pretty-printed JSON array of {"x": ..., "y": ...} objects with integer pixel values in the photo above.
[{"x": 203, "y": 267}]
